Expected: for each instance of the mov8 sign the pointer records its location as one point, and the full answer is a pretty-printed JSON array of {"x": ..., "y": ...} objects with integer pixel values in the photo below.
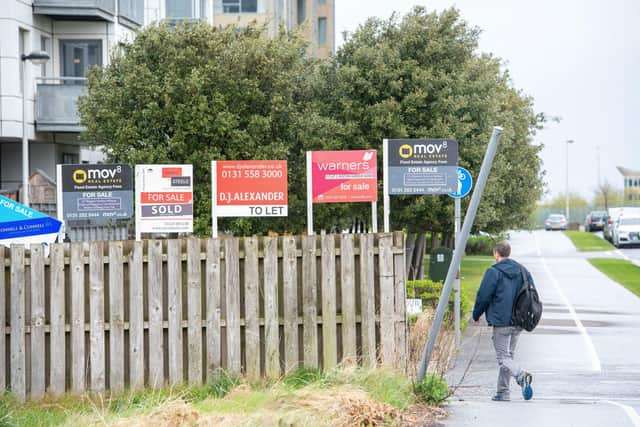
[{"x": 249, "y": 188}]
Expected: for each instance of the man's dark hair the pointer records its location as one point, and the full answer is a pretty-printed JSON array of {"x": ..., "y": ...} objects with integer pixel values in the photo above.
[{"x": 503, "y": 248}]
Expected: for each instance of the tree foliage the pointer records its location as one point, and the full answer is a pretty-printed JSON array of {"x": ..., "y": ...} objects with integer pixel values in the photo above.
[
  {"x": 196, "y": 93},
  {"x": 420, "y": 76}
]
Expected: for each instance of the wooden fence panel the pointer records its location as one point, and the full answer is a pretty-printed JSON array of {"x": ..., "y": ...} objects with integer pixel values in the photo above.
[
  {"x": 3, "y": 322},
  {"x": 78, "y": 370},
  {"x": 174, "y": 307},
  {"x": 329, "y": 294},
  {"x": 399, "y": 285},
  {"x": 37, "y": 322},
  {"x": 137, "y": 285},
  {"x": 96, "y": 310},
  {"x": 232, "y": 295},
  {"x": 116, "y": 318},
  {"x": 387, "y": 297},
  {"x": 194, "y": 308},
  {"x": 309, "y": 302},
  {"x": 57, "y": 379},
  {"x": 251, "y": 307},
  {"x": 136, "y": 318},
  {"x": 156, "y": 316},
  {"x": 17, "y": 307},
  {"x": 213, "y": 306},
  {"x": 348, "y": 287},
  {"x": 367, "y": 296},
  {"x": 290, "y": 302},
  {"x": 271, "y": 328}
]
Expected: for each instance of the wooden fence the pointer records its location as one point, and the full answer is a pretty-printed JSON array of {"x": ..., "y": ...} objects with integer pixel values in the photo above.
[{"x": 108, "y": 315}]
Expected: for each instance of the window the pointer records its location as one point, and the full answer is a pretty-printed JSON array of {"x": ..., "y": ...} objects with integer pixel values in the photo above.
[
  {"x": 69, "y": 158},
  {"x": 44, "y": 45},
  {"x": 239, "y": 6},
  {"x": 186, "y": 9},
  {"x": 322, "y": 1},
  {"x": 322, "y": 31},
  {"x": 302, "y": 11},
  {"x": 80, "y": 55}
]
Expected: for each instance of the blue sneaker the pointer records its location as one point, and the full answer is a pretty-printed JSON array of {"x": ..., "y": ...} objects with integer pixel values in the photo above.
[
  {"x": 527, "y": 390},
  {"x": 501, "y": 398}
]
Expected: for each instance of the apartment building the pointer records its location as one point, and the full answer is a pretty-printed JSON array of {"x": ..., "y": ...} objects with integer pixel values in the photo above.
[
  {"x": 631, "y": 184},
  {"x": 79, "y": 34},
  {"x": 76, "y": 35},
  {"x": 315, "y": 17}
]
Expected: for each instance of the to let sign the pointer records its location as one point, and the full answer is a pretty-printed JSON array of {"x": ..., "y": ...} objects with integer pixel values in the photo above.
[
  {"x": 164, "y": 196},
  {"x": 344, "y": 176},
  {"x": 249, "y": 188},
  {"x": 422, "y": 166}
]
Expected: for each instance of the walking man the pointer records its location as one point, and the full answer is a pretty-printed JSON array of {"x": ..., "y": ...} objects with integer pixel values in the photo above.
[{"x": 495, "y": 299}]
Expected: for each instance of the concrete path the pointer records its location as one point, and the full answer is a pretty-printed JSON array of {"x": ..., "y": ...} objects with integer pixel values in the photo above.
[{"x": 584, "y": 355}]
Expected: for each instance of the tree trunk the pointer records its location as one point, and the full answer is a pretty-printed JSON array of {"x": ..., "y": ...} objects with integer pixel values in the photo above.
[{"x": 418, "y": 260}]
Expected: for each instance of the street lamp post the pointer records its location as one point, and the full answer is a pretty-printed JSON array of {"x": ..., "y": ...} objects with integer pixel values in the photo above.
[
  {"x": 569, "y": 141},
  {"x": 38, "y": 58}
]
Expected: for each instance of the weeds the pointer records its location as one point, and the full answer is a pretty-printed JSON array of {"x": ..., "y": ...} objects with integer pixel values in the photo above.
[{"x": 433, "y": 389}]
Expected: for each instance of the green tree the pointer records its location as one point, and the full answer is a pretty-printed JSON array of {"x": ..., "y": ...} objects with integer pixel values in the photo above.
[
  {"x": 195, "y": 93},
  {"x": 560, "y": 201},
  {"x": 421, "y": 76}
]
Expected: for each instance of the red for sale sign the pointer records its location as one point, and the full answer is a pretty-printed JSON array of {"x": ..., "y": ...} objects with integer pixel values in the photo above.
[
  {"x": 249, "y": 188},
  {"x": 344, "y": 176}
]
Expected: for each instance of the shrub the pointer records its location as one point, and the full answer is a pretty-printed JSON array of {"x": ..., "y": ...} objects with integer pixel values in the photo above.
[
  {"x": 482, "y": 245},
  {"x": 433, "y": 389}
]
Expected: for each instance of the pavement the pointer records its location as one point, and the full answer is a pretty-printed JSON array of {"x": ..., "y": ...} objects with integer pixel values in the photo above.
[{"x": 584, "y": 355}]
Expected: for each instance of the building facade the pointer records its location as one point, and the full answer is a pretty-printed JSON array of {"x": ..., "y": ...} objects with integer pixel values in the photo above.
[
  {"x": 79, "y": 34},
  {"x": 76, "y": 34},
  {"x": 316, "y": 18},
  {"x": 631, "y": 185}
]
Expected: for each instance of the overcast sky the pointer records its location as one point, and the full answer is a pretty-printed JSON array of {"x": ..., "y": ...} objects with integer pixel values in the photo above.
[{"x": 579, "y": 60}]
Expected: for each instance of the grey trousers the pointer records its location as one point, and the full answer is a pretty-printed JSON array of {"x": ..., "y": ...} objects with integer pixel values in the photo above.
[{"x": 505, "y": 339}]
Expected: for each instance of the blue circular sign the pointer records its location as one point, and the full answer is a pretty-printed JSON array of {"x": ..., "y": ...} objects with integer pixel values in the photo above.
[{"x": 465, "y": 182}]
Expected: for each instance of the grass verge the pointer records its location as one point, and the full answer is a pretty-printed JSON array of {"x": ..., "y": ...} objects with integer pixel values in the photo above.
[
  {"x": 587, "y": 242},
  {"x": 620, "y": 270},
  {"x": 346, "y": 396}
]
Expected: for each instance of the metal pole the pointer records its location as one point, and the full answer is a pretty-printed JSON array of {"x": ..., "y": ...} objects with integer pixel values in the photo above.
[
  {"x": 385, "y": 184},
  {"x": 457, "y": 209},
  {"x": 214, "y": 199},
  {"x": 566, "y": 195},
  {"x": 374, "y": 217},
  {"x": 457, "y": 254},
  {"x": 309, "y": 196},
  {"x": 25, "y": 139}
]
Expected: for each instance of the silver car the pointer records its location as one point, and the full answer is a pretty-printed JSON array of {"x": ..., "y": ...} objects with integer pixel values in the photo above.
[
  {"x": 627, "y": 231},
  {"x": 556, "y": 222}
]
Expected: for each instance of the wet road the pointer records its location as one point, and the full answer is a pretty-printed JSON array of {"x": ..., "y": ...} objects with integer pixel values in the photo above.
[{"x": 584, "y": 355}]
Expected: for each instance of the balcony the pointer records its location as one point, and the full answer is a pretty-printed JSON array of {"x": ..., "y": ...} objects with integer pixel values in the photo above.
[
  {"x": 92, "y": 10},
  {"x": 56, "y": 109}
]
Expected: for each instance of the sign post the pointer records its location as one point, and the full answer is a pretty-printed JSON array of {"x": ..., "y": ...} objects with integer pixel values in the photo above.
[
  {"x": 457, "y": 254},
  {"x": 341, "y": 177},
  {"x": 247, "y": 188},
  {"x": 465, "y": 183},
  {"x": 94, "y": 194},
  {"x": 164, "y": 199},
  {"x": 418, "y": 167}
]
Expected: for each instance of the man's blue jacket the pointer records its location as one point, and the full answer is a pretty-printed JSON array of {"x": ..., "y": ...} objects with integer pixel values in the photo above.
[{"x": 497, "y": 292}]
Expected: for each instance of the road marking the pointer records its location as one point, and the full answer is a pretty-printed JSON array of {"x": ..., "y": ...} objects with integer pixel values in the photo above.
[
  {"x": 631, "y": 413},
  {"x": 591, "y": 350}
]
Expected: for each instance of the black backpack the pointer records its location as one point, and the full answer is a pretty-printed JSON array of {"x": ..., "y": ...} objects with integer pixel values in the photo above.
[{"x": 527, "y": 308}]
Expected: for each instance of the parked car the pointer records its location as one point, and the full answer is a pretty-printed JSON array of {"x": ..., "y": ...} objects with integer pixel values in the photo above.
[
  {"x": 612, "y": 221},
  {"x": 627, "y": 231},
  {"x": 556, "y": 222},
  {"x": 595, "y": 221}
]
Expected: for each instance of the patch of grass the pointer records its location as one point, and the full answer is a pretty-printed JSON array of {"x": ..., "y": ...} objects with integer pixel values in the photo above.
[
  {"x": 587, "y": 242},
  {"x": 433, "y": 389},
  {"x": 222, "y": 383},
  {"x": 305, "y": 377},
  {"x": 386, "y": 386},
  {"x": 620, "y": 270}
]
